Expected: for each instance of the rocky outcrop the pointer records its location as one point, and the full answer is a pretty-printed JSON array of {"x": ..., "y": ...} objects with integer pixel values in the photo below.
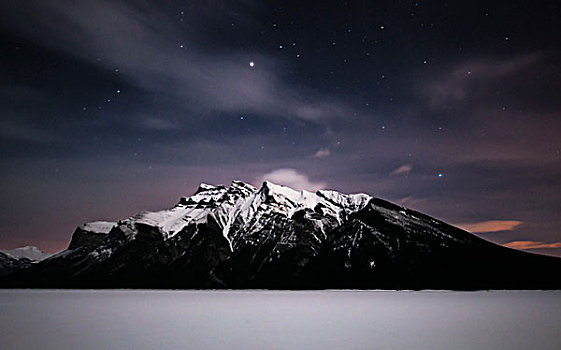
[
  {"x": 10, "y": 264},
  {"x": 90, "y": 235}
]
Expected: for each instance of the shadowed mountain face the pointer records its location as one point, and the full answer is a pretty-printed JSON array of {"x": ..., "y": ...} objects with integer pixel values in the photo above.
[
  {"x": 10, "y": 264},
  {"x": 13, "y": 260},
  {"x": 276, "y": 237}
]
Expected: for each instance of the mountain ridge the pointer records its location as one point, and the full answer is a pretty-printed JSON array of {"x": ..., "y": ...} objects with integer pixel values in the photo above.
[{"x": 277, "y": 237}]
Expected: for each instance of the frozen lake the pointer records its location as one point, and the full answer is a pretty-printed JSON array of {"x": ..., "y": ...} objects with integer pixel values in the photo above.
[{"x": 143, "y": 319}]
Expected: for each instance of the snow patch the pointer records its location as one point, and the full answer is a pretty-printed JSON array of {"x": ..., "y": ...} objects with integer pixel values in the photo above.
[{"x": 98, "y": 226}]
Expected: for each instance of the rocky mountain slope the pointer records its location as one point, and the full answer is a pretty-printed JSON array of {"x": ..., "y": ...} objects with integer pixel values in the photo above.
[
  {"x": 10, "y": 264},
  {"x": 13, "y": 260},
  {"x": 275, "y": 237}
]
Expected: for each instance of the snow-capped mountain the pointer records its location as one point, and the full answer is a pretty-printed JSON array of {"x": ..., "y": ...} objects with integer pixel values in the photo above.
[
  {"x": 276, "y": 237},
  {"x": 12, "y": 260},
  {"x": 29, "y": 252}
]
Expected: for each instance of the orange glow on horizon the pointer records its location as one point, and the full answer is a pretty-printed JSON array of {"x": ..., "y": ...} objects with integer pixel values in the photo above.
[
  {"x": 524, "y": 245},
  {"x": 490, "y": 226}
]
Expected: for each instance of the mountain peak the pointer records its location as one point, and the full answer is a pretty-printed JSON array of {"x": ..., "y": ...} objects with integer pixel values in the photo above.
[
  {"x": 269, "y": 188},
  {"x": 204, "y": 187},
  {"x": 238, "y": 183}
]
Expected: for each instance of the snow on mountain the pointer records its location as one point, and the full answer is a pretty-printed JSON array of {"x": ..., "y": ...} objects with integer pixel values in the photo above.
[
  {"x": 98, "y": 226},
  {"x": 91, "y": 234},
  {"x": 12, "y": 260},
  {"x": 29, "y": 252},
  {"x": 241, "y": 202},
  {"x": 239, "y": 236}
]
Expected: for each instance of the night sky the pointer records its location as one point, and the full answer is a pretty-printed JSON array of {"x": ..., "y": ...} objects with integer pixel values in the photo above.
[{"x": 112, "y": 107}]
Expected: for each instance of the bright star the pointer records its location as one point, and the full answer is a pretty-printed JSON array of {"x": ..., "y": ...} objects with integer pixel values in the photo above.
[{"x": 251, "y": 64}]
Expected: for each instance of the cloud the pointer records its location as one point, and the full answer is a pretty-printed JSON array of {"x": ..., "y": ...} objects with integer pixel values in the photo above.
[
  {"x": 315, "y": 111},
  {"x": 473, "y": 77},
  {"x": 404, "y": 169},
  {"x": 291, "y": 178},
  {"x": 23, "y": 132},
  {"x": 490, "y": 226},
  {"x": 157, "y": 124},
  {"x": 409, "y": 201},
  {"x": 148, "y": 52},
  {"x": 524, "y": 245},
  {"x": 322, "y": 153}
]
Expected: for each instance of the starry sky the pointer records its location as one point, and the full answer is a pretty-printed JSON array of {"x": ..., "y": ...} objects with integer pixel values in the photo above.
[{"x": 452, "y": 108}]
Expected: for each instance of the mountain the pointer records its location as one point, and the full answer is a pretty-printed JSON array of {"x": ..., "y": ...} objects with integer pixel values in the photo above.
[
  {"x": 10, "y": 264},
  {"x": 278, "y": 238},
  {"x": 29, "y": 252},
  {"x": 17, "y": 259}
]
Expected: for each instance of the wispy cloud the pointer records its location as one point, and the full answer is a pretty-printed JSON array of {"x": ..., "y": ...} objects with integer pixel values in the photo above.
[
  {"x": 147, "y": 52},
  {"x": 160, "y": 124},
  {"x": 473, "y": 76},
  {"x": 409, "y": 201},
  {"x": 402, "y": 170},
  {"x": 322, "y": 153},
  {"x": 291, "y": 178},
  {"x": 490, "y": 226},
  {"x": 527, "y": 245},
  {"x": 20, "y": 131}
]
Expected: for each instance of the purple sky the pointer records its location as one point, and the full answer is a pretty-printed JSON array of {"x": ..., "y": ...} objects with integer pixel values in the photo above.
[{"x": 113, "y": 107}]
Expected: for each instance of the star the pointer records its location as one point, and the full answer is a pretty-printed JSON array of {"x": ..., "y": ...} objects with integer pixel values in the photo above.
[{"x": 251, "y": 64}]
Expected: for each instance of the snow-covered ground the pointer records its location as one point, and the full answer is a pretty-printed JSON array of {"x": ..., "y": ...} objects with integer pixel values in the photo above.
[{"x": 119, "y": 319}]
